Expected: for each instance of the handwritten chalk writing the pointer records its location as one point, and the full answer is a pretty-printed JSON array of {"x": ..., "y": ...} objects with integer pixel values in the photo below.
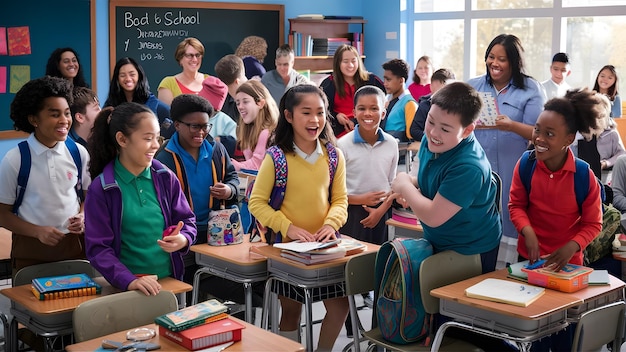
[
  {"x": 131, "y": 21},
  {"x": 162, "y": 33},
  {"x": 150, "y": 46},
  {"x": 145, "y": 57},
  {"x": 171, "y": 18}
]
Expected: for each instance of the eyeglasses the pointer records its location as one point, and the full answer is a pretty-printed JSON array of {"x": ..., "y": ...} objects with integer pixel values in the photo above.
[
  {"x": 191, "y": 56},
  {"x": 195, "y": 127}
]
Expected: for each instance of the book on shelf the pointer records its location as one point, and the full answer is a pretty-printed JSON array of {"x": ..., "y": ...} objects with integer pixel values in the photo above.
[
  {"x": 206, "y": 335},
  {"x": 505, "y": 291},
  {"x": 198, "y": 314},
  {"x": 64, "y": 286}
]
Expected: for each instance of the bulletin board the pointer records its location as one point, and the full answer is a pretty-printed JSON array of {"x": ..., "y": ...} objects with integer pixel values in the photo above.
[
  {"x": 149, "y": 31},
  {"x": 29, "y": 32}
]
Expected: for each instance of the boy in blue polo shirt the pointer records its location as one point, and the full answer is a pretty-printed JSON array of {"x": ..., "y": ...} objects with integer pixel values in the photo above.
[{"x": 454, "y": 193}]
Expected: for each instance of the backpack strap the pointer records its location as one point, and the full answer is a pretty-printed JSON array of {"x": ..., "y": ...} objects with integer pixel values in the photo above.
[
  {"x": 280, "y": 182},
  {"x": 22, "y": 175},
  {"x": 526, "y": 169},
  {"x": 73, "y": 148}
]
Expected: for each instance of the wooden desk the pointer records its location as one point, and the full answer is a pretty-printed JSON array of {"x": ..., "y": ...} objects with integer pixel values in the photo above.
[
  {"x": 253, "y": 338},
  {"x": 304, "y": 276},
  {"x": 392, "y": 224},
  {"x": 233, "y": 263},
  {"x": 53, "y": 318},
  {"x": 543, "y": 317}
]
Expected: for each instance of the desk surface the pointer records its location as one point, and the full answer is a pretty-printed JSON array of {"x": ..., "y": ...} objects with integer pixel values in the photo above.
[
  {"x": 23, "y": 296},
  {"x": 552, "y": 301},
  {"x": 253, "y": 339},
  {"x": 413, "y": 227},
  {"x": 237, "y": 254},
  {"x": 273, "y": 253}
]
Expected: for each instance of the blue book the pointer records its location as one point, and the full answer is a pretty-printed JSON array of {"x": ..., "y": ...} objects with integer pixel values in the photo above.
[{"x": 64, "y": 286}]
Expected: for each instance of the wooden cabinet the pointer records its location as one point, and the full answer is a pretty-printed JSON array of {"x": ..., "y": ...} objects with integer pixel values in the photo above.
[{"x": 324, "y": 28}]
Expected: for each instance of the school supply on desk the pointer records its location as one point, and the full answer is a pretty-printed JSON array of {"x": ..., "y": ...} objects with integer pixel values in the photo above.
[
  {"x": 315, "y": 256},
  {"x": 599, "y": 277},
  {"x": 400, "y": 311},
  {"x": 198, "y": 314},
  {"x": 64, "y": 286},
  {"x": 570, "y": 278},
  {"x": 489, "y": 111},
  {"x": 303, "y": 247},
  {"x": 505, "y": 291},
  {"x": 206, "y": 335}
]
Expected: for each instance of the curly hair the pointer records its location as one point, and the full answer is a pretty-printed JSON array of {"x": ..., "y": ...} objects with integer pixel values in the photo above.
[
  {"x": 283, "y": 134},
  {"x": 117, "y": 94},
  {"x": 398, "y": 68},
  {"x": 581, "y": 109},
  {"x": 189, "y": 103},
  {"x": 102, "y": 144},
  {"x": 29, "y": 100},
  {"x": 52, "y": 67},
  {"x": 252, "y": 46},
  {"x": 248, "y": 134}
]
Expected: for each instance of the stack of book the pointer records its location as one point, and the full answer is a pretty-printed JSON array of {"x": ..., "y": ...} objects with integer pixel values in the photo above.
[
  {"x": 319, "y": 252},
  {"x": 64, "y": 286},
  {"x": 200, "y": 326},
  {"x": 328, "y": 46}
]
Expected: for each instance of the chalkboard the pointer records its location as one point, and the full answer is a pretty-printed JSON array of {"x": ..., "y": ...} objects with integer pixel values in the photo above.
[
  {"x": 51, "y": 25},
  {"x": 150, "y": 31}
]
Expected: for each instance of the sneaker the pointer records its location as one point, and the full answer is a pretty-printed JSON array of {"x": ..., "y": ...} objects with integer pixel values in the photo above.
[{"x": 368, "y": 300}]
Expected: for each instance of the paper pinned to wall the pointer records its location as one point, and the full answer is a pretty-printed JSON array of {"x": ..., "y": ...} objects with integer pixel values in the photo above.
[
  {"x": 20, "y": 74},
  {"x": 3, "y": 79},
  {"x": 19, "y": 41},
  {"x": 3, "y": 41}
]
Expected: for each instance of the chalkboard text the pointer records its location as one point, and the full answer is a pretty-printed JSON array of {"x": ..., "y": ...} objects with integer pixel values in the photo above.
[{"x": 169, "y": 18}]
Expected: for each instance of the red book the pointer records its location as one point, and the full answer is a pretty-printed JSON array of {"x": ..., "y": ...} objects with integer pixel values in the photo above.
[{"x": 204, "y": 336}]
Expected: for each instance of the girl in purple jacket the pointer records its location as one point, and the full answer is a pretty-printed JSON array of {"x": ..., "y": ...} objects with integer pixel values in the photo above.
[{"x": 138, "y": 223}]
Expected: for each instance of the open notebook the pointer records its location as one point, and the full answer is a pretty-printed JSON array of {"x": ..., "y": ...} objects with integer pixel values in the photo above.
[{"x": 505, "y": 291}]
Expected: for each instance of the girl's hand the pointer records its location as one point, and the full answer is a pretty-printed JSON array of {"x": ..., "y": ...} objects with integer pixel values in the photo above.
[
  {"x": 146, "y": 284},
  {"x": 173, "y": 240},
  {"x": 345, "y": 121},
  {"x": 559, "y": 258},
  {"x": 373, "y": 218},
  {"x": 325, "y": 234},
  {"x": 221, "y": 191},
  {"x": 299, "y": 234},
  {"x": 77, "y": 224}
]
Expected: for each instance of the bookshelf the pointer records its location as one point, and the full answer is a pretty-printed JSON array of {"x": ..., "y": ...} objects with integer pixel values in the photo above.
[{"x": 323, "y": 28}]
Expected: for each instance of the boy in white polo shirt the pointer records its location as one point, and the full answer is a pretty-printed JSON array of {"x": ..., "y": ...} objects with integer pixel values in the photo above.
[{"x": 49, "y": 224}]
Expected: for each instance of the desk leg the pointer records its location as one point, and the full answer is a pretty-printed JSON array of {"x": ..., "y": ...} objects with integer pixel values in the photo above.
[
  {"x": 267, "y": 303},
  {"x": 247, "y": 288},
  {"x": 12, "y": 340},
  {"x": 308, "y": 311}
]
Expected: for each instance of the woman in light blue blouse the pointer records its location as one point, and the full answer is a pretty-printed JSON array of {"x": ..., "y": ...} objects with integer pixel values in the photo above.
[{"x": 520, "y": 100}]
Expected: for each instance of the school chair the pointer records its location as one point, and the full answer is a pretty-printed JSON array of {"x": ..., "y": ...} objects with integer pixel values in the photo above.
[
  {"x": 437, "y": 270},
  {"x": 119, "y": 311},
  {"x": 600, "y": 326}
]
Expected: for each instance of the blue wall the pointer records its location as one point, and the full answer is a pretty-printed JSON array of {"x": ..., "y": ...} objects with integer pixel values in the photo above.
[{"x": 382, "y": 17}]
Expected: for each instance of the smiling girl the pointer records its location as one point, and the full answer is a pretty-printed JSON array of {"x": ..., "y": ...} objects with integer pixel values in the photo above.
[
  {"x": 134, "y": 199},
  {"x": 64, "y": 63},
  {"x": 607, "y": 84},
  {"x": 130, "y": 84},
  {"x": 259, "y": 115},
  {"x": 313, "y": 209}
]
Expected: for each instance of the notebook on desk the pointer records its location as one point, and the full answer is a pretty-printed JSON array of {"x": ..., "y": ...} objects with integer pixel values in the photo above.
[{"x": 505, "y": 291}]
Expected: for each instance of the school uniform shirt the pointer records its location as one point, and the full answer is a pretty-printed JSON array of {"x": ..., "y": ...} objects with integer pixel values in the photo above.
[
  {"x": 400, "y": 116},
  {"x": 306, "y": 202},
  {"x": 554, "y": 90},
  {"x": 276, "y": 85},
  {"x": 50, "y": 198},
  {"x": 552, "y": 211},
  {"x": 462, "y": 175},
  {"x": 504, "y": 148},
  {"x": 103, "y": 222}
]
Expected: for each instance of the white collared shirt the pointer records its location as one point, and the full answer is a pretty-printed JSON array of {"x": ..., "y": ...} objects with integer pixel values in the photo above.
[{"x": 310, "y": 158}]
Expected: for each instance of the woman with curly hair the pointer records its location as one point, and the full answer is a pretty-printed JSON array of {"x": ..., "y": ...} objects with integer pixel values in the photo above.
[
  {"x": 189, "y": 55},
  {"x": 130, "y": 84},
  {"x": 253, "y": 50},
  {"x": 64, "y": 63}
]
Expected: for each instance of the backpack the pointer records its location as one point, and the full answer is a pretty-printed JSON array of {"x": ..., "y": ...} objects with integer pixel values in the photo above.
[
  {"x": 278, "y": 192},
  {"x": 24, "y": 171},
  {"x": 399, "y": 308}
]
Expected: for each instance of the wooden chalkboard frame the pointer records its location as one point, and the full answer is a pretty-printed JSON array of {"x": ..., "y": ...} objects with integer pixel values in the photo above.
[{"x": 114, "y": 4}]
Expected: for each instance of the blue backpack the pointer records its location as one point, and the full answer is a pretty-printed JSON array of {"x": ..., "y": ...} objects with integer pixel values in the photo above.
[
  {"x": 24, "y": 171},
  {"x": 399, "y": 308},
  {"x": 280, "y": 185},
  {"x": 527, "y": 164}
]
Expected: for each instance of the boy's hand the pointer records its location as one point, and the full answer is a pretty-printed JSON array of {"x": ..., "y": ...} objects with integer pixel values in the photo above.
[
  {"x": 50, "y": 236},
  {"x": 77, "y": 224},
  {"x": 146, "y": 284},
  {"x": 532, "y": 244},
  {"x": 221, "y": 191},
  {"x": 299, "y": 234},
  {"x": 401, "y": 180},
  {"x": 559, "y": 258},
  {"x": 326, "y": 233},
  {"x": 373, "y": 218},
  {"x": 373, "y": 198}
]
